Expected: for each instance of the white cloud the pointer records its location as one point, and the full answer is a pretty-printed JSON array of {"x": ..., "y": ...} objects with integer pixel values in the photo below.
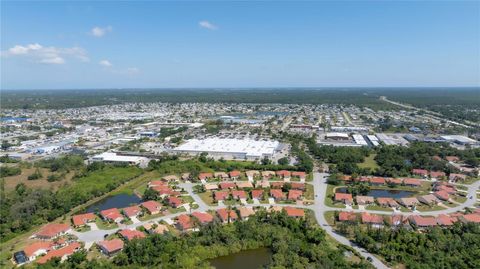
[
  {"x": 207, "y": 25},
  {"x": 100, "y": 31},
  {"x": 47, "y": 55},
  {"x": 133, "y": 70},
  {"x": 105, "y": 63}
]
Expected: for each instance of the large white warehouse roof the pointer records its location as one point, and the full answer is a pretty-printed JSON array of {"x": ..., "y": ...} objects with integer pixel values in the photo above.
[{"x": 249, "y": 147}]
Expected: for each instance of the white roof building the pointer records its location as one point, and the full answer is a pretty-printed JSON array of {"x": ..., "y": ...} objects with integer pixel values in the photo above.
[
  {"x": 111, "y": 157},
  {"x": 230, "y": 148}
]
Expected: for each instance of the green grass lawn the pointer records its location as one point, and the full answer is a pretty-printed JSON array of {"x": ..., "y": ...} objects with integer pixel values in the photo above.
[
  {"x": 308, "y": 192},
  {"x": 424, "y": 208},
  {"x": 102, "y": 225},
  {"x": 460, "y": 199},
  {"x": 329, "y": 200},
  {"x": 330, "y": 217},
  {"x": 207, "y": 198},
  {"x": 369, "y": 162},
  {"x": 379, "y": 208},
  {"x": 404, "y": 209}
]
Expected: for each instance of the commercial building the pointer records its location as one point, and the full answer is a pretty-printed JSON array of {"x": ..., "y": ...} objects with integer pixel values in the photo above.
[
  {"x": 246, "y": 149},
  {"x": 111, "y": 157}
]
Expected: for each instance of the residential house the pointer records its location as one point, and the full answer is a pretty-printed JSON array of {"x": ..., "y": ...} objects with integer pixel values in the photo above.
[
  {"x": 61, "y": 253},
  {"x": 295, "y": 195},
  {"x": 347, "y": 216},
  {"x": 345, "y": 198},
  {"x": 251, "y": 174},
  {"x": 467, "y": 218},
  {"x": 299, "y": 175},
  {"x": 277, "y": 194},
  {"x": 221, "y": 175},
  {"x": 442, "y": 195},
  {"x": 387, "y": 202},
  {"x": 110, "y": 247},
  {"x": 423, "y": 222},
  {"x": 202, "y": 217},
  {"x": 221, "y": 195},
  {"x": 227, "y": 185},
  {"x": 457, "y": 177},
  {"x": 246, "y": 212},
  {"x": 234, "y": 175},
  {"x": 377, "y": 181},
  {"x": 210, "y": 186},
  {"x": 412, "y": 182},
  {"x": 374, "y": 220},
  {"x": 111, "y": 215},
  {"x": 37, "y": 249},
  {"x": 364, "y": 200},
  {"x": 152, "y": 207},
  {"x": 174, "y": 201},
  {"x": 184, "y": 222},
  {"x": 257, "y": 194},
  {"x": 239, "y": 195},
  {"x": 284, "y": 174},
  {"x": 152, "y": 228},
  {"x": 298, "y": 186},
  {"x": 267, "y": 174},
  {"x": 428, "y": 199},
  {"x": 420, "y": 172},
  {"x": 437, "y": 174},
  {"x": 294, "y": 212},
  {"x": 52, "y": 230},
  {"x": 445, "y": 220},
  {"x": 227, "y": 215},
  {"x": 277, "y": 185},
  {"x": 244, "y": 184},
  {"x": 410, "y": 202},
  {"x": 205, "y": 176},
  {"x": 83, "y": 219},
  {"x": 130, "y": 234},
  {"x": 132, "y": 211}
]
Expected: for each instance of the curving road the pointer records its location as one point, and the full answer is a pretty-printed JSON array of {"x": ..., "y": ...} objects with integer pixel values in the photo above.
[{"x": 320, "y": 190}]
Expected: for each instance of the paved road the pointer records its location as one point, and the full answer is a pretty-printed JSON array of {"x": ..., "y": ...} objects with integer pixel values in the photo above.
[{"x": 320, "y": 190}]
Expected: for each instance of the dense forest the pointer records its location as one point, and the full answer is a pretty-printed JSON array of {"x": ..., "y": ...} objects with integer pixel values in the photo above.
[
  {"x": 456, "y": 247},
  {"x": 294, "y": 244},
  {"x": 26, "y": 207}
]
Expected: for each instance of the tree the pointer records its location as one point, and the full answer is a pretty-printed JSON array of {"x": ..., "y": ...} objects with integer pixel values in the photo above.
[
  {"x": 283, "y": 161},
  {"x": 150, "y": 194}
]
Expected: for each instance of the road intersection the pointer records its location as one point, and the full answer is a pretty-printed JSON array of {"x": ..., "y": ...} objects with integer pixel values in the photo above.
[{"x": 319, "y": 208}]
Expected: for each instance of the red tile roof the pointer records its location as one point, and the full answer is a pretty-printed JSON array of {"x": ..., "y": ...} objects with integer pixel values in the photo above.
[
  {"x": 294, "y": 194},
  {"x": 474, "y": 217},
  {"x": 65, "y": 251},
  {"x": 437, "y": 174},
  {"x": 343, "y": 197},
  {"x": 152, "y": 206},
  {"x": 111, "y": 245},
  {"x": 422, "y": 172},
  {"x": 445, "y": 220},
  {"x": 227, "y": 185},
  {"x": 132, "y": 211},
  {"x": 221, "y": 195},
  {"x": 36, "y": 246},
  {"x": 203, "y": 217},
  {"x": 283, "y": 173},
  {"x": 234, "y": 173},
  {"x": 205, "y": 175},
  {"x": 294, "y": 212},
  {"x": 111, "y": 214},
  {"x": 257, "y": 194},
  {"x": 346, "y": 216},
  {"x": 299, "y": 174},
  {"x": 377, "y": 180},
  {"x": 412, "y": 181},
  {"x": 298, "y": 186},
  {"x": 52, "y": 229},
  {"x": 423, "y": 221},
  {"x": 371, "y": 218},
  {"x": 277, "y": 194},
  {"x": 185, "y": 222},
  {"x": 131, "y": 234},
  {"x": 224, "y": 213},
  {"x": 82, "y": 219},
  {"x": 174, "y": 201},
  {"x": 239, "y": 194},
  {"x": 443, "y": 195}
]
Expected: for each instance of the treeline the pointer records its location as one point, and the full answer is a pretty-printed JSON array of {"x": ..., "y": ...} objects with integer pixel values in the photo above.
[
  {"x": 60, "y": 99},
  {"x": 294, "y": 244},
  {"x": 25, "y": 207},
  {"x": 393, "y": 161},
  {"x": 456, "y": 247}
]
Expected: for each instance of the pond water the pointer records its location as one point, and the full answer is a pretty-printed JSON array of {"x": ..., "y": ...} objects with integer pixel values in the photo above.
[
  {"x": 384, "y": 193},
  {"x": 118, "y": 201},
  {"x": 251, "y": 259}
]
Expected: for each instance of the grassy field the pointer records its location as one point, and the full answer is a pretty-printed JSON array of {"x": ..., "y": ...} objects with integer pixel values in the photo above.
[
  {"x": 11, "y": 182},
  {"x": 330, "y": 217},
  {"x": 329, "y": 200},
  {"x": 309, "y": 192},
  {"x": 102, "y": 225},
  {"x": 369, "y": 162},
  {"x": 424, "y": 208}
]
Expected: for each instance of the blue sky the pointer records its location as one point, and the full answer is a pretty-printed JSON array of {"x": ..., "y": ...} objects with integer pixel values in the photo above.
[{"x": 239, "y": 44}]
